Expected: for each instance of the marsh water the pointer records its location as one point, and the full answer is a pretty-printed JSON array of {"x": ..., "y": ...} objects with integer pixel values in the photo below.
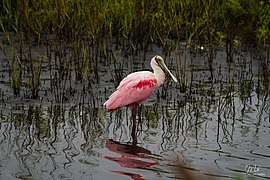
[{"x": 215, "y": 122}]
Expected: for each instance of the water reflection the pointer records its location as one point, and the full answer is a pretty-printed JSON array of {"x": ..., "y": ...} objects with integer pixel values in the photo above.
[
  {"x": 218, "y": 127},
  {"x": 131, "y": 156},
  {"x": 50, "y": 143}
]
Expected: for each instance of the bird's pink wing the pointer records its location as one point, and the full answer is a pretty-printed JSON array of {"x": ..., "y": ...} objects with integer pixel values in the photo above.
[{"x": 136, "y": 87}]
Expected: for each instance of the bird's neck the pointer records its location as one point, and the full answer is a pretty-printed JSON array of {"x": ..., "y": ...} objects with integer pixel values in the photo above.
[{"x": 160, "y": 75}]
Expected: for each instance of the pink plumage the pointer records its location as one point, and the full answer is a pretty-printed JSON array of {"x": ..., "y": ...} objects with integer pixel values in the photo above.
[{"x": 137, "y": 87}]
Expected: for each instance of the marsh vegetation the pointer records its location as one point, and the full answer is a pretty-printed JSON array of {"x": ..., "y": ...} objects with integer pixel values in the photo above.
[
  {"x": 76, "y": 36},
  {"x": 60, "y": 60}
]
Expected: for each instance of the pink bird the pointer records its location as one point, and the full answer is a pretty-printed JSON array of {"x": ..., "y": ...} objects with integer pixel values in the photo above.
[{"x": 137, "y": 87}]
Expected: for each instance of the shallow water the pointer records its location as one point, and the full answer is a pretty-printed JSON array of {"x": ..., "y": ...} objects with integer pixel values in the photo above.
[{"x": 218, "y": 127}]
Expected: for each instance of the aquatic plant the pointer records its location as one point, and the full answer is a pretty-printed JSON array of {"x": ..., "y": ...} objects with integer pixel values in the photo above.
[
  {"x": 84, "y": 33},
  {"x": 142, "y": 22},
  {"x": 34, "y": 78}
]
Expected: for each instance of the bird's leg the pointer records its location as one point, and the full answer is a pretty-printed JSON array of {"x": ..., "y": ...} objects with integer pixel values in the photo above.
[
  {"x": 133, "y": 135},
  {"x": 134, "y": 112}
]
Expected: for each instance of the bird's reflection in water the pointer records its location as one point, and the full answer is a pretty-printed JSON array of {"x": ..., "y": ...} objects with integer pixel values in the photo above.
[{"x": 132, "y": 156}]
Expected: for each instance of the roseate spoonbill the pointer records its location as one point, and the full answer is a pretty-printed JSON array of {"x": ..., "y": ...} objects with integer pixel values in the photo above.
[{"x": 137, "y": 87}]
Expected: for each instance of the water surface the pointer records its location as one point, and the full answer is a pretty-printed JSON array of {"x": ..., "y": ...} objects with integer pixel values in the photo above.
[{"x": 216, "y": 122}]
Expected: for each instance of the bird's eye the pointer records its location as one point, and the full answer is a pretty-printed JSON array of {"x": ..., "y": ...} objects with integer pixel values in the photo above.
[{"x": 157, "y": 59}]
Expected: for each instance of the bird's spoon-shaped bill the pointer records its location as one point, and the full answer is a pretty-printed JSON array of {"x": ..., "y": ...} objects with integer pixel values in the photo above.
[{"x": 166, "y": 68}]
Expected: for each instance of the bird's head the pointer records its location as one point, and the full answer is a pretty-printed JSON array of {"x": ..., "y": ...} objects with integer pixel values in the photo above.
[{"x": 158, "y": 60}]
